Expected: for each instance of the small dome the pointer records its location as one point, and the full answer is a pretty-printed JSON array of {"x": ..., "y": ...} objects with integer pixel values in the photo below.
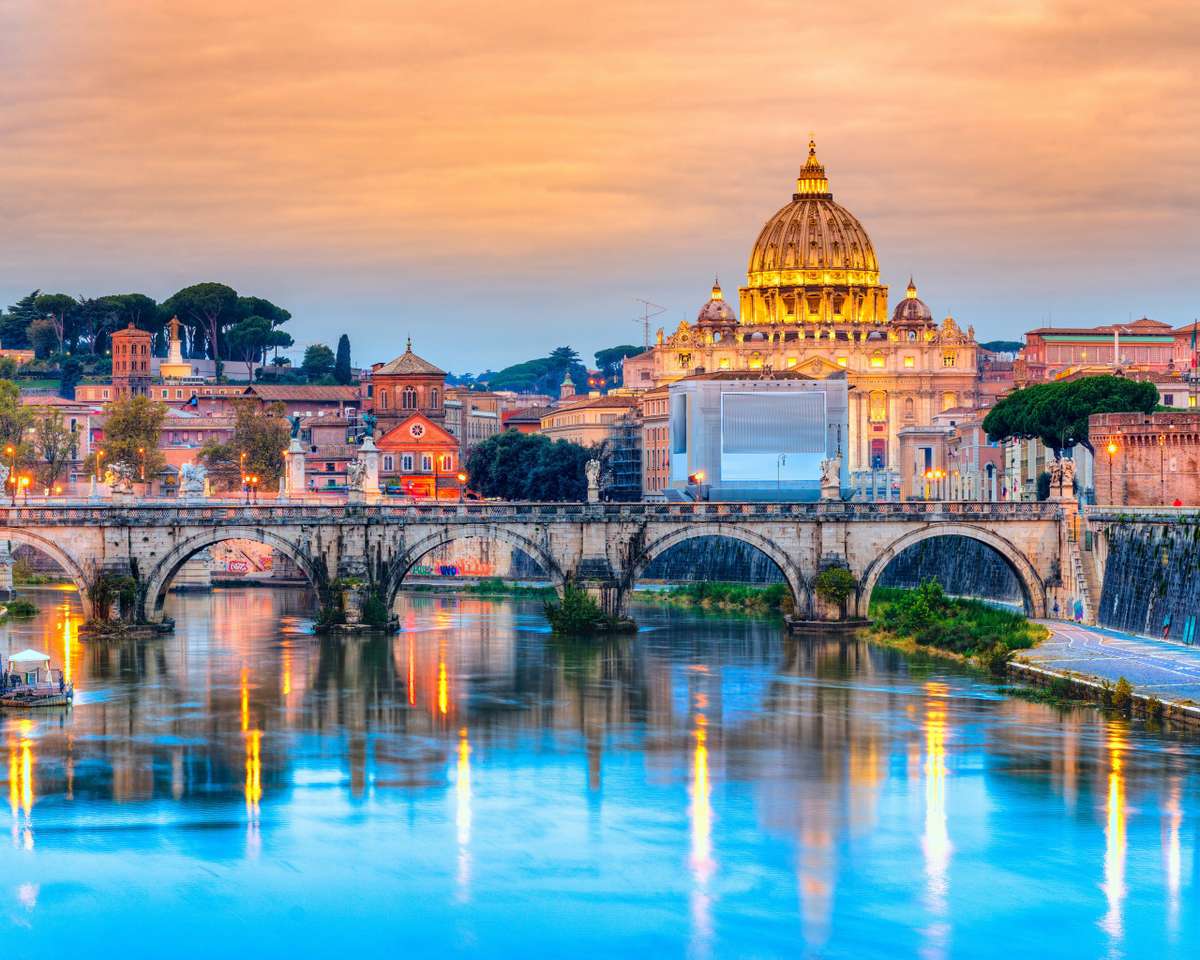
[
  {"x": 717, "y": 310},
  {"x": 912, "y": 309}
]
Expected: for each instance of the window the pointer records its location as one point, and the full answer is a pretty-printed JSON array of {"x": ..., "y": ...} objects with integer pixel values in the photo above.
[
  {"x": 329, "y": 468},
  {"x": 910, "y": 362},
  {"x": 790, "y": 362},
  {"x": 164, "y": 394},
  {"x": 949, "y": 400},
  {"x": 723, "y": 363},
  {"x": 447, "y": 462},
  {"x": 1168, "y": 399},
  {"x": 426, "y": 462},
  {"x": 383, "y": 400},
  {"x": 409, "y": 398},
  {"x": 433, "y": 397},
  {"x": 948, "y": 359},
  {"x": 105, "y": 394},
  {"x": 842, "y": 361},
  {"x": 406, "y": 462},
  {"x": 178, "y": 394},
  {"x": 877, "y": 361},
  {"x": 389, "y": 464}
]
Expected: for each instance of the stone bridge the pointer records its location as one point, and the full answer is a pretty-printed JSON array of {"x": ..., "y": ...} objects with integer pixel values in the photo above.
[{"x": 601, "y": 546}]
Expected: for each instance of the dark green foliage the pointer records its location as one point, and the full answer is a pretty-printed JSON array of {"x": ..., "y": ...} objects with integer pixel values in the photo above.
[
  {"x": 374, "y": 611},
  {"x": 1043, "y": 486},
  {"x": 342, "y": 371},
  {"x": 608, "y": 362},
  {"x": 1058, "y": 412},
  {"x": 19, "y": 607},
  {"x": 835, "y": 585},
  {"x": 106, "y": 589},
  {"x": 72, "y": 372},
  {"x": 776, "y": 598},
  {"x": 967, "y": 627},
  {"x": 1122, "y": 696},
  {"x": 318, "y": 362},
  {"x": 1003, "y": 346},
  {"x": 528, "y": 466},
  {"x": 544, "y": 375},
  {"x": 577, "y": 614},
  {"x": 15, "y": 322}
]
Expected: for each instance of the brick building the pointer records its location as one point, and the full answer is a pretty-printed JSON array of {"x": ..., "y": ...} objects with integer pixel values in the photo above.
[
  {"x": 131, "y": 362},
  {"x": 1146, "y": 459}
]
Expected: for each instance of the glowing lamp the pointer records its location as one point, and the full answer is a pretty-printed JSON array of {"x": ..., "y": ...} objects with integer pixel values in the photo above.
[{"x": 1111, "y": 448}]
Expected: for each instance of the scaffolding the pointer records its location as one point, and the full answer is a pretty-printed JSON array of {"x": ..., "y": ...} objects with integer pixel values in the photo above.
[{"x": 622, "y": 476}]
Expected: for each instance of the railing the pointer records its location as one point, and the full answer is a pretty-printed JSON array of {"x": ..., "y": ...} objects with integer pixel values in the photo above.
[
  {"x": 147, "y": 512},
  {"x": 1141, "y": 513}
]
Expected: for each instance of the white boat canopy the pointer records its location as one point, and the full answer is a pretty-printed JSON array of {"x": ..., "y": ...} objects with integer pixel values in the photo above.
[{"x": 28, "y": 656}]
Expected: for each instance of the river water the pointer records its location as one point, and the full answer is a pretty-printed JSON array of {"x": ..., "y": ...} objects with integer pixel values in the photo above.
[{"x": 473, "y": 786}]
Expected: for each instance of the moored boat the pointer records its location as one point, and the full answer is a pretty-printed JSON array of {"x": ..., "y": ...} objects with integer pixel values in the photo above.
[{"x": 30, "y": 681}]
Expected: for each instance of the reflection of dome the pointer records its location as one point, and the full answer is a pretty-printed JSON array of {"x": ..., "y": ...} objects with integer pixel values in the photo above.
[
  {"x": 813, "y": 233},
  {"x": 912, "y": 309},
  {"x": 717, "y": 310}
]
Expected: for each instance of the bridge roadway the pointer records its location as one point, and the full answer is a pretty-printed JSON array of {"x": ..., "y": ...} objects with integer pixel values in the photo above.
[{"x": 604, "y": 547}]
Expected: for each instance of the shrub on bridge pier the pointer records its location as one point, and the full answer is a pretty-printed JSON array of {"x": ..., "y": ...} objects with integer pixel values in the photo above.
[{"x": 578, "y": 614}]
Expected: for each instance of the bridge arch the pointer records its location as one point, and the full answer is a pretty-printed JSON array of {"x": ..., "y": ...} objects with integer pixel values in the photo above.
[
  {"x": 1032, "y": 588},
  {"x": 70, "y": 567},
  {"x": 164, "y": 571},
  {"x": 443, "y": 536},
  {"x": 801, "y": 594}
]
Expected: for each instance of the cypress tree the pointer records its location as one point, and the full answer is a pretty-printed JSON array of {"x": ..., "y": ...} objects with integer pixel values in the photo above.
[{"x": 341, "y": 367}]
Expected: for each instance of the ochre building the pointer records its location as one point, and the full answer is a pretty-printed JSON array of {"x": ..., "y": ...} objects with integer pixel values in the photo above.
[{"x": 813, "y": 301}]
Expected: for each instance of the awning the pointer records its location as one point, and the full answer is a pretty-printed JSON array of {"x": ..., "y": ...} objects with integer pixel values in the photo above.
[{"x": 28, "y": 656}]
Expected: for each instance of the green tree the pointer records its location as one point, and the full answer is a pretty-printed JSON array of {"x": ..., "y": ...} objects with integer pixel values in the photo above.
[
  {"x": 608, "y": 362},
  {"x": 248, "y": 339},
  {"x": 15, "y": 420},
  {"x": 522, "y": 466},
  {"x": 14, "y": 327},
  {"x": 132, "y": 428},
  {"x": 1057, "y": 413},
  {"x": 71, "y": 373},
  {"x": 318, "y": 362},
  {"x": 54, "y": 446},
  {"x": 43, "y": 335},
  {"x": 116, "y": 311},
  {"x": 342, "y": 371},
  {"x": 208, "y": 309},
  {"x": 261, "y": 433},
  {"x": 62, "y": 310}
]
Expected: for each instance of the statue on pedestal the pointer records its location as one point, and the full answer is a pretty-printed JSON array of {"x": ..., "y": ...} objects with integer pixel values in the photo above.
[
  {"x": 356, "y": 473},
  {"x": 592, "y": 470},
  {"x": 119, "y": 477},
  {"x": 831, "y": 477},
  {"x": 192, "y": 477}
]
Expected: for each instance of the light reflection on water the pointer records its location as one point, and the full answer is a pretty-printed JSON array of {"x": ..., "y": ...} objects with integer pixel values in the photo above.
[{"x": 472, "y": 785}]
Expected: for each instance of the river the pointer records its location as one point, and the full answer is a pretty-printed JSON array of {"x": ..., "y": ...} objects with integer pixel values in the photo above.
[{"x": 474, "y": 786}]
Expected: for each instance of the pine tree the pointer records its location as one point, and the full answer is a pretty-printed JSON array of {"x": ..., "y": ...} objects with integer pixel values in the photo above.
[
  {"x": 341, "y": 367},
  {"x": 14, "y": 327}
]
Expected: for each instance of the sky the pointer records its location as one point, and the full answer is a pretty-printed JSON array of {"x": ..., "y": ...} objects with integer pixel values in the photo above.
[{"x": 497, "y": 179}]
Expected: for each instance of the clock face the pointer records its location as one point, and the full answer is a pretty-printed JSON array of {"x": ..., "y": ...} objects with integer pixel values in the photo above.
[{"x": 417, "y": 430}]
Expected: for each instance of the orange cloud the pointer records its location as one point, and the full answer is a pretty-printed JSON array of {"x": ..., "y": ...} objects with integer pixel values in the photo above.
[{"x": 536, "y": 166}]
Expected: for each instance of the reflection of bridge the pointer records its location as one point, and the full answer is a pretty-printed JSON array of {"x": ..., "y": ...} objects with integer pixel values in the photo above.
[{"x": 604, "y": 547}]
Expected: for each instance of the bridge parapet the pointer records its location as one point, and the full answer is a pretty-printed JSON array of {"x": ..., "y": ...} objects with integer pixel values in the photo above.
[{"x": 172, "y": 512}]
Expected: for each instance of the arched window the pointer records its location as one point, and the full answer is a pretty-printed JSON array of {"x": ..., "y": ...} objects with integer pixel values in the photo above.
[
  {"x": 949, "y": 400},
  {"x": 383, "y": 399},
  {"x": 878, "y": 406},
  {"x": 433, "y": 398},
  {"x": 409, "y": 398}
]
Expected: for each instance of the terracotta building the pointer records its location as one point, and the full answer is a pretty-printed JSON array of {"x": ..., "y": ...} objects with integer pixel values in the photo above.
[
  {"x": 419, "y": 458},
  {"x": 1145, "y": 345},
  {"x": 130, "y": 362},
  {"x": 656, "y": 445},
  {"x": 587, "y": 421},
  {"x": 1146, "y": 459},
  {"x": 813, "y": 302},
  {"x": 396, "y": 390}
]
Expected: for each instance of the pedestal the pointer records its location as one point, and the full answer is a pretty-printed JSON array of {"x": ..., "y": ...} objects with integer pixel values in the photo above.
[
  {"x": 294, "y": 469},
  {"x": 368, "y": 453},
  {"x": 6, "y": 570}
]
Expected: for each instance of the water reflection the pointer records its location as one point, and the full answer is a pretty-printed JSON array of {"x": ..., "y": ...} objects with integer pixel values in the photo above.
[{"x": 708, "y": 787}]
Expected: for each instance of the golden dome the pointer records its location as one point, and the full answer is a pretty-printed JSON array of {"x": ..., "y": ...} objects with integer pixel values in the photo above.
[{"x": 813, "y": 240}]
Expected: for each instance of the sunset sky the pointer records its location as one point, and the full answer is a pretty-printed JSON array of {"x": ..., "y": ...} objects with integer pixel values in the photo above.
[{"x": 499, "y": 178}]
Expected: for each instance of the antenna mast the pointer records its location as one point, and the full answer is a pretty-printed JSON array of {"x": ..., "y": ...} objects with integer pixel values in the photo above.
[{"x": 646, "y": 317}]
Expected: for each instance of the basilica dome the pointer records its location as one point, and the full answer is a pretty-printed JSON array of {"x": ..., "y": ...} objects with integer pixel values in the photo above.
[
  {"x": 717, "y": 310},
  {"x": 812, "y": 235},
  {"x": 912, "y": 309}
]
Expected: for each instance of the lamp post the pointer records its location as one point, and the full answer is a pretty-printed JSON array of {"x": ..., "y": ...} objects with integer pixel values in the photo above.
[
  {"x": 142, "y": 463},
  {"x": 1112, "y": 452},
  {"x": 99, "y": 465},
  {"x": 462, "y": 482},
  {"x": 12, "y": 470}
]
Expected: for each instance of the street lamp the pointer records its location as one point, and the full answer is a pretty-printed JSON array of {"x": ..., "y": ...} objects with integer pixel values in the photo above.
[
  {"x": 462, "y": 482},
  {"x": 12, "y": 470},
  {"x": 1112, "y": 449},
  {"x": 142, "y": 462}
]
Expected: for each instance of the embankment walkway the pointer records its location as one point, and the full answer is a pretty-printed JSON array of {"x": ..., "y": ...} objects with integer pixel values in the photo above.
[{"x": 1169, "y": 671}]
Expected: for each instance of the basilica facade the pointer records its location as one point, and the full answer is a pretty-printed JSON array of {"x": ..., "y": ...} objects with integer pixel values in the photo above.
[{"x": 813, "y": 303}]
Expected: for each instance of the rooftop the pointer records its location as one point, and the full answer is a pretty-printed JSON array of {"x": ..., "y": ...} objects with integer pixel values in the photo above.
[{"x": 284, "y": 392}]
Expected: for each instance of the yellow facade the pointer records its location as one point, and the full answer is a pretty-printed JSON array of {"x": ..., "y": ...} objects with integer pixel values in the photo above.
[{"x": 813, "y": 301}]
